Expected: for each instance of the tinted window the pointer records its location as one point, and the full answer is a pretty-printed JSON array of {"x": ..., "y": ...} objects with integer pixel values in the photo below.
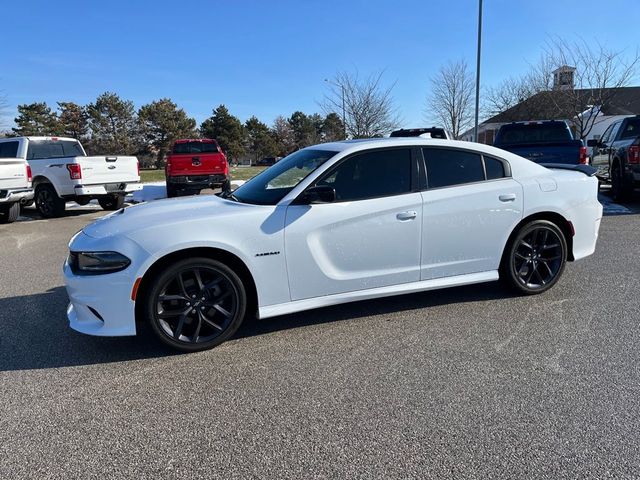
[
  {"x": 53, "y": 149},
  {"x": 372, "y": 174},
  {"x": 9, "y": 149},
  {"x": 452, "y": 167},
  {"x": 195, "y": 147},
  {"x": 533, "y": 133},
  {"x": 494, "y": 168},
  {"x": 631, "y": 129}
]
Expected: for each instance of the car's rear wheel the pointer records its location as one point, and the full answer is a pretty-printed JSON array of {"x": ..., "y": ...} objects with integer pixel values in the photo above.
[
  {"x": 48, "y": 203},
  {"x": 111, "y": 202},
  {"x": 9, "y": 213},
  {"x": 196, "y": 304},
  {"x": 535, "y": 258}
]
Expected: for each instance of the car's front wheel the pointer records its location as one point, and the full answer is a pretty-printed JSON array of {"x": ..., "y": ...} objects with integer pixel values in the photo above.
[
  {"x": 535, "y": 258},
  {"x": 195, "y": 304}
]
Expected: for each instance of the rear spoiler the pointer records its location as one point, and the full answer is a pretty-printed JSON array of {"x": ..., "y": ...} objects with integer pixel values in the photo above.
[{"x": 588, "y": 170}]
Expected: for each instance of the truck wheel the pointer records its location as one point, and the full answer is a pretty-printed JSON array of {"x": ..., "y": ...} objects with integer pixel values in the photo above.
[
  {"x": 621, "y": 190},
  {"x": 111, "y": 202},
  {"x": 226, "y": 186},
  {"x": 48, "y": 203},
  {"x": 171, "y": 191},
  {"x": 9, "y": 213}
]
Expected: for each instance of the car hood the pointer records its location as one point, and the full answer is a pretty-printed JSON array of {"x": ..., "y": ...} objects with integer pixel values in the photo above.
[{"x": 167, "y": 212}]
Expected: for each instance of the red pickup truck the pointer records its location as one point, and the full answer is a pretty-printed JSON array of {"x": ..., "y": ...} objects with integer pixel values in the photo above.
[{"x": 195, "y": 164}]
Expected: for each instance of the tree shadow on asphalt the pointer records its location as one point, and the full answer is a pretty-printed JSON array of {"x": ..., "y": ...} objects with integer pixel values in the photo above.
[{"x": 35, "y": 333}]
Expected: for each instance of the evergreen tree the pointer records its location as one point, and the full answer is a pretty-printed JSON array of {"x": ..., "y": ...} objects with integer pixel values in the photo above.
[
  {"x": 35, "y": 119},
  {"x": 160, "y": 124},
  {"x": 112, "y": 122},
  {"x": 226, "y": 130}
]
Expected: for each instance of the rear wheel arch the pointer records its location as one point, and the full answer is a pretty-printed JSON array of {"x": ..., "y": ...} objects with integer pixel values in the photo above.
[
  {"x": 562, "y": 223},
  {"x": 40, "y": 180},
  {"x": 224, "y": 256}
]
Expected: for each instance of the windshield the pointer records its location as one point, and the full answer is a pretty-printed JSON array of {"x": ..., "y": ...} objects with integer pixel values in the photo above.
[{"x": 272, "y": 185}]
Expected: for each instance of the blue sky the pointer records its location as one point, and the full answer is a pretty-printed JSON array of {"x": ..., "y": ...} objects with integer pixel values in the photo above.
[{"x": 270, "y": 57}]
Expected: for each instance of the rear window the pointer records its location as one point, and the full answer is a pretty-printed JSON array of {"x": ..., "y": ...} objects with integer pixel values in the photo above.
[
  {"x": 53, "y": 149},
  {"x": 195, "y": 147},
  {"x": 9, "y": 149},
  {"x": 632, "y": 129},
  {"x": 533, "y": 133}
]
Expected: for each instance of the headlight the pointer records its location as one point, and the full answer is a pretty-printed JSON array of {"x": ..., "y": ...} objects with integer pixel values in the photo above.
[{"x": 97, "y": 262}]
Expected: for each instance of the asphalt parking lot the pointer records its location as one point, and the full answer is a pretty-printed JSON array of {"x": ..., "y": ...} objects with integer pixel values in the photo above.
[{"x": 469, "y": 382}]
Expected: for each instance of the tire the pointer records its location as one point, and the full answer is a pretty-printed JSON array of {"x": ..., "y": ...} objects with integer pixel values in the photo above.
[
  {"x": 206, "y": 308},
  {"x": 48, "y": 203},
  {"x": 171, "y": 191},
  {"x": 534, "y": 260},
  {"x": 111, "y": 202},
  {"x": 226, "y": 186},
  {"x": 9, "y": 213},
  {"x": 621, "y": 190}
]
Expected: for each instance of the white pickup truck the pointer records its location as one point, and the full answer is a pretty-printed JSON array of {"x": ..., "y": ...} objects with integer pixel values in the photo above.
[
  {"x": 15, "y": 181},
  {"x": 63, "y": 172}
]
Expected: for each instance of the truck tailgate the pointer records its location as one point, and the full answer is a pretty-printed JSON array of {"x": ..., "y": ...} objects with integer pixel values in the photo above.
[
  {"x": 13, "y": 173},
  {"x": 195, "y": 164},
  {"x": 548, "y": 152},
  {"x": 116, "y": 169}
]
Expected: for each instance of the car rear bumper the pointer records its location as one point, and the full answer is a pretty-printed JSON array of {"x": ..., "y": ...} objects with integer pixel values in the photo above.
[
  {"x": 105, "y": 189},
  {"x": 197, "y": 181},
  {"x": 16, "y": 195}
]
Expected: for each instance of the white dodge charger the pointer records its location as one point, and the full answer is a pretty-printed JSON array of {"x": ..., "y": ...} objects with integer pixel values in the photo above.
[{"x": 329, "y": 224}]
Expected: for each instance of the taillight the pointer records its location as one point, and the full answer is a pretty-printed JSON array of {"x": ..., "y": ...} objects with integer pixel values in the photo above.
[
  {"x": 75, "y": 171},
  {"x": 583, "y": 158},
  {"x": 29, "y": 174},
  {"x": 633, "y": 154}
]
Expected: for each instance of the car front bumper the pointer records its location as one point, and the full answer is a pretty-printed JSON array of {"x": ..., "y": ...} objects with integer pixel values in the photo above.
[
  {"x": 106, "y": 189},
  {"x": 16, "y": 195},
  {"x": 101, "y": 304}
]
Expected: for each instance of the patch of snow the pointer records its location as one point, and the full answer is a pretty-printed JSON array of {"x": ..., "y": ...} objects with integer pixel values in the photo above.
[{"x": 157, "y": 190}]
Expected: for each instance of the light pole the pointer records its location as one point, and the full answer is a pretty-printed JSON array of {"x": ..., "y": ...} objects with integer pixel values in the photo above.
[
  {"x": 344, "y": 122},
  {"x": 475, "y": 125}
]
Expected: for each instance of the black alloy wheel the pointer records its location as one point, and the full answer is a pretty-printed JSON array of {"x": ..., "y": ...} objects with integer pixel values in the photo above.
[
  {"x": 196, "y": 304},
  {"x": 536, "y": 258},
  {"x": 48, "y": 203}
]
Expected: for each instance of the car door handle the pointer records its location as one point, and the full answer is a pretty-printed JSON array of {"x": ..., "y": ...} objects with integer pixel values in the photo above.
[
  {"x": 404, "y": 216},
  {"x": 507, "y": 197}
]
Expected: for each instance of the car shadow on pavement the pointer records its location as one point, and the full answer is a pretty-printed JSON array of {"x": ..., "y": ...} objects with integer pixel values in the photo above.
[
  {"x": 35, "y": 334},
  {"x": 380, "y": 306}
]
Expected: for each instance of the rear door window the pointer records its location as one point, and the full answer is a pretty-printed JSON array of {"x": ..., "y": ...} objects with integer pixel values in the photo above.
[
  {"x": 631, "y": 129},
  {"x": 448, "y": 167},
  {"x": 494, "y": 168}
]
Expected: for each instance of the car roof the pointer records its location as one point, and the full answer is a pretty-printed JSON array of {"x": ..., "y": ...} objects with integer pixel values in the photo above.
[
  {"x": 39, "y": 138},
  {"x": 519, "y": 165}
]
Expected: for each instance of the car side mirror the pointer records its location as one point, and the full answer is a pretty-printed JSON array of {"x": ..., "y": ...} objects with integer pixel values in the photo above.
[
  {"x": 593, "y": 143},
  {"x": 318, "y": 194}
]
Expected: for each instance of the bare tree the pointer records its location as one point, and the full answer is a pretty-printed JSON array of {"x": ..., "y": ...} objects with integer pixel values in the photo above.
[
  {"x": 451, "y": 100},
  {"x": 368, "y": 105},
  {"x": 599, "y": 75},
  {"x": 515, "y": 90}
]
